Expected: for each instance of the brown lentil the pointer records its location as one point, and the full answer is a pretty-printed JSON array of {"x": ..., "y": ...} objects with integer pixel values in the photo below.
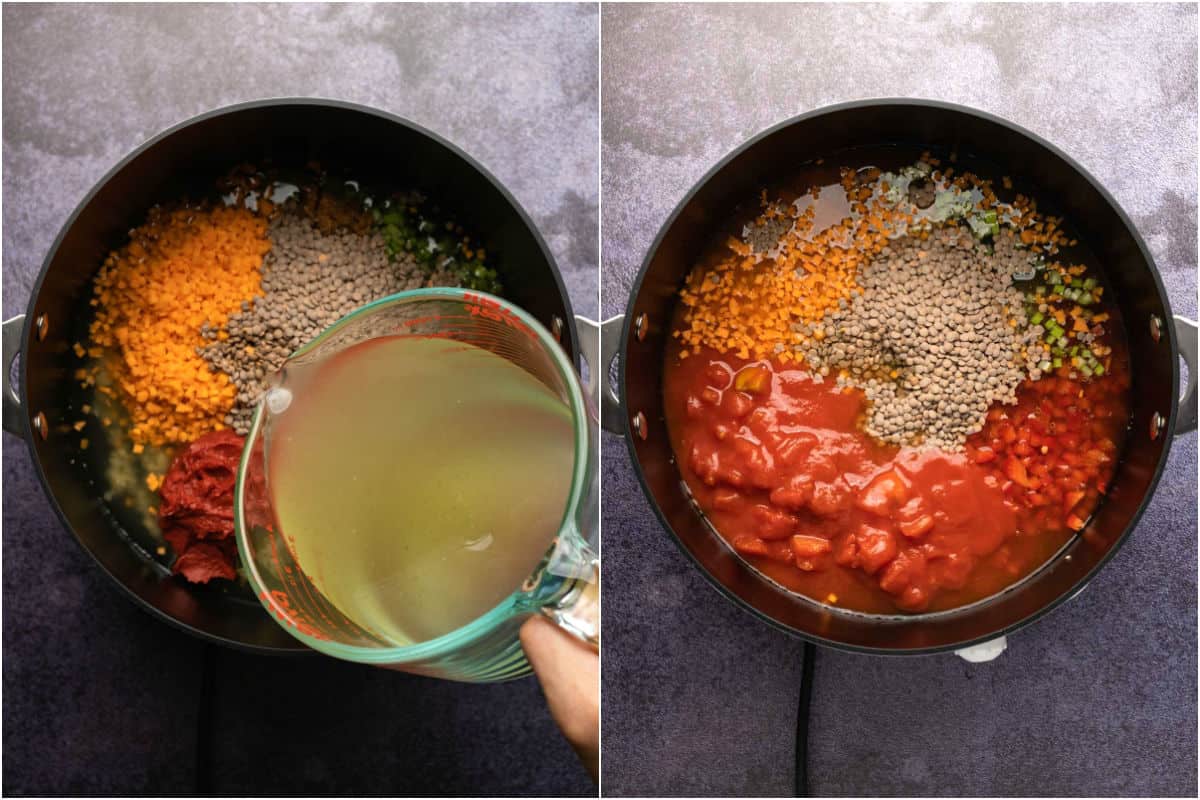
[
  {"x": 937, "y": 335},
  {"x": 313, "y": 275}
]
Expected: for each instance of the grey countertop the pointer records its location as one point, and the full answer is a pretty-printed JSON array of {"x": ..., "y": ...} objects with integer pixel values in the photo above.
[
  {"x": 99, "y": 698},
  {"x": 1099, "y": 698}
]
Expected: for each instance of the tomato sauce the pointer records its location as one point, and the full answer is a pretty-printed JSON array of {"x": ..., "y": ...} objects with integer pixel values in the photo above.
[{"x": 779, "y": 464}]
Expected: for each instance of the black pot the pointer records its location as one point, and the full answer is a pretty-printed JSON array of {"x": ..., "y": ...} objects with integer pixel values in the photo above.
[
  {"x": 383, "y": 149},
  {"x": 1156, "y": 342}
]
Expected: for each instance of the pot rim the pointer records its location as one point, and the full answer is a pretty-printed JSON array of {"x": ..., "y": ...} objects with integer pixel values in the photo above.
[
  {"x": 293, "y": 648},
  {"x": 917, "y": 103}
]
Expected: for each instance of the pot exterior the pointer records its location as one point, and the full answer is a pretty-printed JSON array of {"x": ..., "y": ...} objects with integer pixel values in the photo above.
[
  {"x": 185, "y": 161},
  {"x": 1065, "y": 187}
]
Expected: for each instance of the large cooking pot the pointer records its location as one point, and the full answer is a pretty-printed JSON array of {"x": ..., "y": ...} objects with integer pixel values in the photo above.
[
  {"x": 1156, "y": 340},
  {"x": 187, "y": 160}
]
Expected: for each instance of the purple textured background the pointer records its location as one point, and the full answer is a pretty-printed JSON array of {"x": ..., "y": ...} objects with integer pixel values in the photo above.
[
  {"x": 99, "y": 698},
  {"x": 1099, "y": 698}
]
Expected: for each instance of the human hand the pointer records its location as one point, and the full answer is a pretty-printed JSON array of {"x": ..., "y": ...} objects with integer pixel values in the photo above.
[{"x": 569, "y": 672}]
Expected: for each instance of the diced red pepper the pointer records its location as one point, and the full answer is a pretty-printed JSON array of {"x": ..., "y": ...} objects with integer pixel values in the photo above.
[
  {"x": 1015, "y": 470},
  {"x": 983, "y": 455},
  {"x": 1071, "y": 499}
]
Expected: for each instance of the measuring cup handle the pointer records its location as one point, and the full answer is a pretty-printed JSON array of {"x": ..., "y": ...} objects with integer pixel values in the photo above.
[{"x": 578, "y": 612}]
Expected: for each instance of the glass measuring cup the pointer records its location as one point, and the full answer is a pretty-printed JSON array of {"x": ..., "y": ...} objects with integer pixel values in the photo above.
[{"x": 565, "y": 584}]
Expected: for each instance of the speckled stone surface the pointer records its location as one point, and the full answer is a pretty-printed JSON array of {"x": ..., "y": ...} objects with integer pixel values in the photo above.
[
  {"x": 1099, "y": 698},
  {"x": 99, "y": 698}
]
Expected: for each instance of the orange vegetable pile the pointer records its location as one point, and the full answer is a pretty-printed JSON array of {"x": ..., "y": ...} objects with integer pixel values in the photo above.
[
  {"x": 181, "y": 269},
  {"x": 752, "y": 305}
]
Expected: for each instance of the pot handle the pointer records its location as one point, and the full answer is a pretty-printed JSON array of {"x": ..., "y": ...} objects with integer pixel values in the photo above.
[
  {"x": 1185, "y": 337},
  {"x": 610, "y": 346},
  {"x": 984, "y": 651},
  {"x": 605, "y": 336},
  {"x": 11, "y": 334}
]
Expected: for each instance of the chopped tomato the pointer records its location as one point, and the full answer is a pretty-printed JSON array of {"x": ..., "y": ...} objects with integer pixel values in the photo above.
[
  {"x": 917, "y": 527},
  {"x": 886, "y": 492},
  {"x": 773, "y": 523},
  {"x": 750, "y": 545},
  {"x": 782, "y": 468},
  {"x": 794, "y": 496},
  {"x": 828, "y": 499},
  {"x": 809, "y": 546},
  {"x": 876, "y": 547}
]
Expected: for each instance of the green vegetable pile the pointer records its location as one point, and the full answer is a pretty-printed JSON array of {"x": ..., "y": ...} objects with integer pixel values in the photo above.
[
  {"x": 1061, "y": 302},
  {"x": 1058, "y": 306},
  {"x": 406, "y": 230}
]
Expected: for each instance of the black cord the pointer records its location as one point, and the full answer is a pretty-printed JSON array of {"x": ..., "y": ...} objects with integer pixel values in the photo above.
[
  {"x": 204, "y": 721},
  {"x": 806, "y": 682}
]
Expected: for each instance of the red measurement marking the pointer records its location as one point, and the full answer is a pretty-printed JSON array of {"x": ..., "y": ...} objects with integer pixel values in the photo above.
[
  {"x": 281, "y": 603},
  {"x": 490, "y": 309},
  {"x": 412, "y": 323}
]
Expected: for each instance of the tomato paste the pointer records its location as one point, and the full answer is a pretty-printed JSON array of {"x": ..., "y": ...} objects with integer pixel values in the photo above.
[
  {"x": 777, "y": 459},
  {"x": 196, "y": 507}
]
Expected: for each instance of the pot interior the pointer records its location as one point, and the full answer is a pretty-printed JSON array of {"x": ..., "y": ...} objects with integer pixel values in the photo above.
[
  {"x": 383, "y": 153},
  {"x": 1061, "y": 189}
]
